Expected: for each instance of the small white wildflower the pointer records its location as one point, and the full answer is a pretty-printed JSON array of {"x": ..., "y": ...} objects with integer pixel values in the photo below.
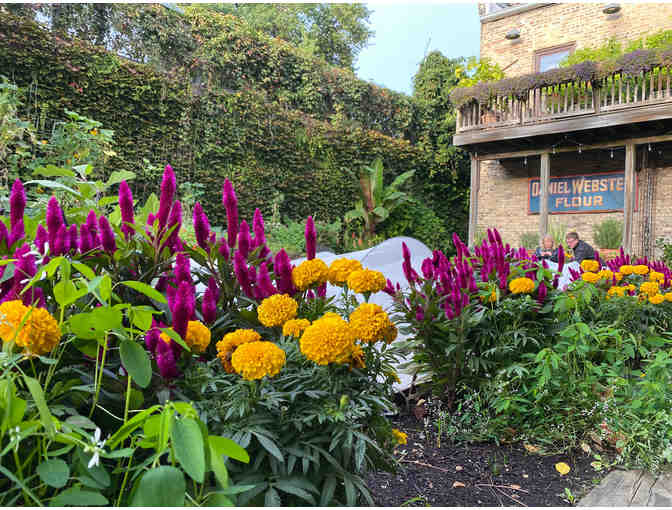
[{"x": 96, "y": 447}]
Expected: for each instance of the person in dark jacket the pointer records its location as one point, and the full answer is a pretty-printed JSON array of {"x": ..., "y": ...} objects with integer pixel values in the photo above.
[
  {"x": 581, "y": 249},
  {"x": 547, "y": 250}
]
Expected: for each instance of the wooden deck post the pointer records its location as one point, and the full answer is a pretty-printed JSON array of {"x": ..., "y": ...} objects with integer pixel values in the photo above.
[
  {"x": 473, "y": 198},
  {"x": 629, "y": 202},
  {"x": 543, "y": 197}
]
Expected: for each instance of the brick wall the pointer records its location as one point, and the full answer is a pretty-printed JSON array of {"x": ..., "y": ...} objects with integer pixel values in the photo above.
[
  {"x": 582, "y": 23},
  {"x": 503, "y": 195}
]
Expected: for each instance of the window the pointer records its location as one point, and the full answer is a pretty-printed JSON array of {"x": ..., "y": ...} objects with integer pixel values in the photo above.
[{"x": 550, "y": 58}]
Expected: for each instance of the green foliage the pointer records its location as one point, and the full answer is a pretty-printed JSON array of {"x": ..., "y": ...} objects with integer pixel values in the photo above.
[
  {"x": 529, "y": 240},
  {"x": 666, "y": 247},
  {"x": 290, "y": 235},
  {"x": 478, "y": 71},
  {"x": 377, "y": 199},
  {"x": 608, "y": 234},
  {"x": 417, "y": 220}
]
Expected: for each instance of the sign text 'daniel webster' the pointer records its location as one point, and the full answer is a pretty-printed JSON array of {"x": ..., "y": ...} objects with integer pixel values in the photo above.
[{"x": 580, "y": 193}]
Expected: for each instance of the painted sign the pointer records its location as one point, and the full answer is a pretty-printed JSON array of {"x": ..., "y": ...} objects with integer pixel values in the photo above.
[{"x": 601, "y": 192}]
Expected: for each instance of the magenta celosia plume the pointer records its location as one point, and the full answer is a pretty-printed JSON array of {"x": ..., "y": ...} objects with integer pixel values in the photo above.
[
  {"x": 264, "y": 281},
  {"x": 174, "y": 220},
  {"x": 126, "y": 207},
  {"x": 231, "y": 205},
  {"x": 201, "y": 226},
  {"x": 182, "y": 269},
  {"x": 72, "y": 237},
  {"x": 244, "y": 240},
  {"x": 242, "y": 274},
  {"x": 209, "y": 303},
  {"x": 41, "y": 238},
  {"x": 183, "y": 307},
  {"x": 168, "y": 187},
  {"x": 311, "y": 238},
  {"x": 165, "y": 360},
  {"x": 107, "y": 235},
  {"x": 282, "y": 267},
  {"x": 223, "y": 248},
  {"x": 17, "y": 203}
]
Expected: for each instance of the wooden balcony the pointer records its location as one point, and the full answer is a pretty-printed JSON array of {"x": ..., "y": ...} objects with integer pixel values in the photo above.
[{"x": 568, "y": 107}]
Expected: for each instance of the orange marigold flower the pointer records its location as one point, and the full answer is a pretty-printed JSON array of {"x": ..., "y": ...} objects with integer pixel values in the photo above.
[
  {"x": 295, "y": 327},
  {"x": 366, "y": 281},
  {"x": 256, "y": 360},
  {"x": 310, "y": 273},
  {"x": 641, "y": 269},
  {"x": 340, "y": 269},
  {"x": 276, "y": 310},
  {"x": 370, "y": 323},
  {"x": 33, "y": 329},
  {"x": 227, "y": 345},
  {"x": 327, "y": 340},
  {"x": 590, "y": 265}
]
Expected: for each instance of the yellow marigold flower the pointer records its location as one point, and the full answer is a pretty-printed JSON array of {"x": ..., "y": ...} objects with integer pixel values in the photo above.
[
  {"x": 606, "y": 274},
  {"x": 295, "y": 327},
  {"x": 619, "y": 276},
  {"x": 649, "y": 288},
  {"x": 276, "y": 310},
  {"x": 39, "y": 333},
  {"x": 616, "y": 291},
  {"x": 590, "y": 277},
  {"x": 227, "y": 345},
  {"x": 668, "y": 296},
  {"x": 340, "y": 269},
  {"x": 521, "y": 286},
  {"x": 656, "y": 299},
  {"x": 641, "y": 269},
  {"x": 590, "y": 266},
  {"x": 370, "y": 323},
  {"x": 400, "y": 436},
  {"x": 562, "y": 468},
  {"x": 366, "y": 280},
  {"x": 310, "y": 273},
  {"x": 627, "y": 269},
  {"x": 255, "y": 360},
  {"x": 327, "y": 340},
  {"x": 655, "y": 276},
  {"x": 356, "y": 359},
  {"x": 492, "y": 298},
  {"x": 198, "y": 336}
]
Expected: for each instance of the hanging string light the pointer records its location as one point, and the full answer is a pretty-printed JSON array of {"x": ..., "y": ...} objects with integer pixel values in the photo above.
[
  {"x": 612, "y": 153},
  {"x": 525, "y": 161}
]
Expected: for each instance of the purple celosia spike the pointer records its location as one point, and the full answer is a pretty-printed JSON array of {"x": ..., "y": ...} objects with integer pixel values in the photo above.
[
  {"x": 322, "y": 291},
  {"x": 54, "y": 218},
  {"x": 542, "y": 293},
  {"x": 242, "y": 274},
  {"x": 213, "y": 288},
  {"x": 419, "y": 314},
  {"x": 4, "y": 234},
  {"x": 264, "y": 281},
  {"x": 92, "y": 222},
  {"x": 498, "y": 238},
  {"x": 182, "y": 268},
  {"x": 574, "y": 274},
  {"x": 183, "y": 307},
  {"x": 66, "y": 239},
  {"x": 282, "y": 267},
  {"x": 170, "y": 294},
  {"x": 244, "y": 240},
  {"x": 427, "y": 268},
  {"x": 231, "y": 205},
  {"x": 24, "y": 270},
  {"x": 73, "y": 237},
  {"x": 258, "y": 228},
  {"x": 597, "y": 257},
  {"x": 150, "y": 219},
  {"x": 126, "y": 206},
  {"x": 389, "y": 288},
  {"x": 17, "y": 203},
  {"x": 223, "y": 249},
  {"x": 168, "y": 187},
  {"x": 16, "y": 234},
  {"x": 165, "y": 360},
  {"x": 57, "y": 247},
  {"x": 152, "y": 337},
  {"x": 107, "y": 235},
  {"x": 85, "y": 242},
  {"x": 212, "y": 238},
  {"x": 201, "y": 226},
  {"x": 41, "y": 238},
  {"x": 209, "y": 303},
  {"x": 491, "y": 237},
  {"x": 175, "y": 218},
  {"x": 561, "y": 258},
  {"x": 311, "y": 238}
]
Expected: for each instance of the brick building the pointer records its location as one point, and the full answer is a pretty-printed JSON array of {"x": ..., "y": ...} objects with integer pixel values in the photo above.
[{"x": 570, "y": 147}]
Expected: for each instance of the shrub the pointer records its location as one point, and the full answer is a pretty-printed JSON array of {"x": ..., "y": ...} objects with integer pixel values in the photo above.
[
  {"x": 608, "y": 234},
  {"x": 417, "y": 220},
  {"x": 529, "y": 240}
]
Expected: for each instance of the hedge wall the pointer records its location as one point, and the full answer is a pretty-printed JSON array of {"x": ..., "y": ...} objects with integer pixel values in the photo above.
[{"x": 210, "y": 134}]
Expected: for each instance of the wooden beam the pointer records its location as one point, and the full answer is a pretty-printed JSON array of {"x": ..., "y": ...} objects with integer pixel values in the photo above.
[
  {"x": 473, "y": 198},
  {"x": 629, "y": 206},
  {"x": 605, "y": 145},
  {"x": 543, "y": 198},
  {"x": 573, "y": 123}
]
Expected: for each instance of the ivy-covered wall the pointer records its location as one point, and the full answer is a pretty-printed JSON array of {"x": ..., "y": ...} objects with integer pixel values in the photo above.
[{"x": 207, "y": 133}]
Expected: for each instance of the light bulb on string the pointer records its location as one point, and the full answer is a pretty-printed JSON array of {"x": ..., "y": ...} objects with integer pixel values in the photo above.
[
  {"x": 525, "y": 161},
  {"x": 612, "y": 153},
  {"x": 579, "y": 148},
  {"x": 649, "y": 147}
]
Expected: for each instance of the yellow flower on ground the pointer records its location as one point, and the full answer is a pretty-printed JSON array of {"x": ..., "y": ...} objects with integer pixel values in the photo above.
[
  {"x": 39, "y": 333},
  {"x": 310, "y": 273},
  {"x": 627, "y": 269},
  {"x": 340, "y": 269},
  {"x": 400, "y": 436},
  {"x": 590, "y": 277},
  {"x": 606, "y": 274},
  {"x": 231, "y": 341},
  {"x": 641, "y": 269},
  {"x": 655, "y": 276},
  {"x": 255, "y": 360},
  {"x": 327, "y": 340},
  {"x": 366, "y": 280},
  {"x": 370, "y": 323},
  {"x": 590, "y": 265},
  {"x": 562, "y": 468},
  {"x": 295, "y": 327},
  {"x": 668, "y": 296},
  {"x": 619, "y": 276},
  {"x": 521, "y": 286},
  {"x": 276, "y": 310},
  {"x": 656, "y": 299},
  {"x": 198, "y": 336},
  {"x": 649, "y": 288}
]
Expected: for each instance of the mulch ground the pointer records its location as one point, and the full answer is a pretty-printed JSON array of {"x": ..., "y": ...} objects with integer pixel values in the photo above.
[{"x": 482, "y": 474}]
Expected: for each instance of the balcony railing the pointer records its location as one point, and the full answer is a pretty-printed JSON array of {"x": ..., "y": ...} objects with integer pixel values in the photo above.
[{"x": 571, "y": 99}]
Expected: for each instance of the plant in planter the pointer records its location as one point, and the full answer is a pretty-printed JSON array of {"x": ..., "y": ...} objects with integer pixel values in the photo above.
[{"x": 608, "y": 236}]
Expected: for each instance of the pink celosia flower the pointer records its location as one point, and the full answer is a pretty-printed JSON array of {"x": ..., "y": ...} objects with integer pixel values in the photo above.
[
  {"x": 126, "y": 207},
  {"x": 282, "y": 268},
  {"x": 244, "y": 240},
  {"x": 107, "y": 235},
  {"x": 231, "y": 205},
  {"x": 201, "y": 226},
  {"x": 17, "y": 203},
  {"x": 311, "y": 238},
  {"x": 168, "y": 186}
]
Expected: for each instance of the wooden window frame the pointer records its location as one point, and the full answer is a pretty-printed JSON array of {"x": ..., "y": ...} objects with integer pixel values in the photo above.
[{"x": 550, "y": 50}]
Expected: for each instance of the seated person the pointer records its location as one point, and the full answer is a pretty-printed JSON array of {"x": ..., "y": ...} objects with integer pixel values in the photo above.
[
  {"x": 581, "y": 249},
  {"x": 546, "y": 250}
]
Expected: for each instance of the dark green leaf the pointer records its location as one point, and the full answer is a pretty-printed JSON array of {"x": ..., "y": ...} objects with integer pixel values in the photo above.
[
  {"x": 136, "y": 362},
  {"x": 189, "y": 449},
  {"x": 145, "y": 289},
  {"x": 161, "y": 486},
  {"x": 78, "y": 497},
  {"x": 54, "y": 472}
]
